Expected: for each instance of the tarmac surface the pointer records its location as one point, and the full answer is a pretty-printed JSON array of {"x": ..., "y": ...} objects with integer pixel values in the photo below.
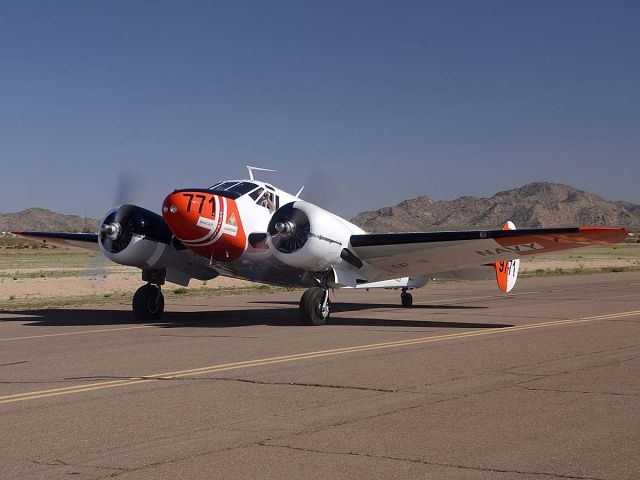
[{"x": 543, "y": 383}]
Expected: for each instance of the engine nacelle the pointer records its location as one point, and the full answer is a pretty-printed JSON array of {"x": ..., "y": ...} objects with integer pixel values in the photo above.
[
  {"x": 305, "y": 236},
  {"x": 132, "y": 235}
]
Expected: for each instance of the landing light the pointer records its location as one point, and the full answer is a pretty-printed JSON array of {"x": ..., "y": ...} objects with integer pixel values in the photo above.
[{"x": 173, "y": 209}]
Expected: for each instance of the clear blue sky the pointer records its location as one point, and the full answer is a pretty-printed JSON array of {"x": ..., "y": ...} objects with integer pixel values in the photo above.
[{"x": 377, "y": 101}]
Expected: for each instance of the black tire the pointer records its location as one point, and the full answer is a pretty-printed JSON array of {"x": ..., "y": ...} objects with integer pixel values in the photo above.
[
  {"x": 407, "y": 299},
  {"x": 311, "y": 307},
  {"x": 147, "y": 305}
]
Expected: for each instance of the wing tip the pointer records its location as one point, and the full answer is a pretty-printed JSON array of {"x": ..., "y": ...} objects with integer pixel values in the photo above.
[{"x": 606, "y": 234}]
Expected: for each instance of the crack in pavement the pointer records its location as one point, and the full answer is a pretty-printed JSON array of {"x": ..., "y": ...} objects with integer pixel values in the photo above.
[
  {"x": 301, "y": 384},
  {"x": 33, "y": 382},
  {"x": 601, "y": 364},
  {"x": 559, "y": 390},
  {"x": 115, "y": 472},
  {"x": 57, "y": 462},
  {"x": 13, "y": 363},
  {"x": 427, "y": 462},
  {"x": 61, "y": 463},
  {"x": 122, "y": 471},
  {"x": 239, "y": 380}
]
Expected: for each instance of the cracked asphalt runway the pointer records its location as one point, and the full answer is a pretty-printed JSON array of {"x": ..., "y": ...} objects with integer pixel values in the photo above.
[{"x": 543, "y": 383}]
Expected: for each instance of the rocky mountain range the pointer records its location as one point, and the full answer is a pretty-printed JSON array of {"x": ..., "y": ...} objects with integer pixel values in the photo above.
[
  {"x": 533, "y": 205},
  {"x": 35, "y": 219}
]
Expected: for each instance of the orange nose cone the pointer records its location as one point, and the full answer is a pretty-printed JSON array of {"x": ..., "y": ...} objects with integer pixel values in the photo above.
[
  {"x": 189, "y": 214},
  {"x": 205, "y": 223}
]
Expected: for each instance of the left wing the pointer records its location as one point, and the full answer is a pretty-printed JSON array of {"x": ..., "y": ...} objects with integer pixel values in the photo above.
[
  {"x": 82, "y": 240},
  {"x": 407, "y": 254}
]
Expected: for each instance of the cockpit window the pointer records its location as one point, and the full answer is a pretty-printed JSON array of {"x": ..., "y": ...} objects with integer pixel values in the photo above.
[
  {"x": 242, "y": 188},
  {"x": 256, "y": 193},
  {"x": 223, "y": 185}
]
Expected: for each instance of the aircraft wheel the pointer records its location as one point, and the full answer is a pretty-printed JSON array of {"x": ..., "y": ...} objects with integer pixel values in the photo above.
[
  {"x": 148, "y": 303},
  {"x": 311, "y": 307},
  {"x": 407, "y": 299}
]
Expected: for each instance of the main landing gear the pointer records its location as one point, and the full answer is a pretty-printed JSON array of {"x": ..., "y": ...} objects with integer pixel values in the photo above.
[
  {"x": 314, "y": 306},
  {"x": 148, "y": 301},
  {"x": 406, "y": 298}
]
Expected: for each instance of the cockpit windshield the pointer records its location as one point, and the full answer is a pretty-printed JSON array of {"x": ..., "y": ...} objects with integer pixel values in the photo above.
[{"x": 233, "y": 189}]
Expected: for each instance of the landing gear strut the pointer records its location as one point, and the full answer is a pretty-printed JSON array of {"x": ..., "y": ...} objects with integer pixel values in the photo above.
[
  {"x": 314, "y": 306},
  {"x": 406, "y": 298}
]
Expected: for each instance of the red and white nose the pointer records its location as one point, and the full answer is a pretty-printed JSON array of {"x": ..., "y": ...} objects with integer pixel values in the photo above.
[
  {"x": 190, "y": 214},
  {"x": 207, "y": 224}
]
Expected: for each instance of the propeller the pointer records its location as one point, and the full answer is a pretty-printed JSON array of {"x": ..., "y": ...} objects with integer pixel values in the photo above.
[
  {"x": 289, "y": 229},
  {"x": 115, "y": 232},
  {"x": 322, "y": 190},
  {"x": 121, "y": 224}
]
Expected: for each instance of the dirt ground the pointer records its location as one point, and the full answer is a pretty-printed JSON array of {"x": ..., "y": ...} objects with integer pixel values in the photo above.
[
  {"x": 92, "y": 285},
  {"x": 33, "y": 274},
  {"x": 128, "y": 280}
]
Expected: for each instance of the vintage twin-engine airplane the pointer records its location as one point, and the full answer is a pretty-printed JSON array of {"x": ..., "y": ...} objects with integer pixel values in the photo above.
[{"x": 251, "y": 230}]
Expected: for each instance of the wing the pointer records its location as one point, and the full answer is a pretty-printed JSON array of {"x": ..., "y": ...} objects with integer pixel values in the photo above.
[
  {"x": 82, "y": 240},
  {"x": 406, "y": 254}
]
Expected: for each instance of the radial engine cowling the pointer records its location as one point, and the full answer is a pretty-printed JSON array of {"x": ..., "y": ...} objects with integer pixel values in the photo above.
[
  {"x": 132, "y": 235},
  {"x": 305, "y": 236}
]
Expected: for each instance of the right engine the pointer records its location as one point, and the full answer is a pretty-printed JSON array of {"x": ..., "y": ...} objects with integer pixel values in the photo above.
[{"x": 305, "y": 236}]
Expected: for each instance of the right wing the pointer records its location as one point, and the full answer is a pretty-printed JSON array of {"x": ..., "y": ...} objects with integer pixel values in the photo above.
[{"x": 427, "y": 253}]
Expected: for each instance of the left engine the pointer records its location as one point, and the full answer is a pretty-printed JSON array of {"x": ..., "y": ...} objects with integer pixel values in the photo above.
[{"x": 306, "y": 236}]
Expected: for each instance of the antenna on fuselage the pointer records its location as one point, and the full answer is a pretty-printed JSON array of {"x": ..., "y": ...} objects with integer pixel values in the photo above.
[{"x": 251, "y": 169}]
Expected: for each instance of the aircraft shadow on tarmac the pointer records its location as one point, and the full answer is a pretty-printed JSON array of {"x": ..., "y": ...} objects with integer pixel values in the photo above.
[{"x": 286, "y": 316}]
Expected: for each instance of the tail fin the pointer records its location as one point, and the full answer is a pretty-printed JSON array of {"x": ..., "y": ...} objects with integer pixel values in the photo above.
[{"x": 507, "y": 270}]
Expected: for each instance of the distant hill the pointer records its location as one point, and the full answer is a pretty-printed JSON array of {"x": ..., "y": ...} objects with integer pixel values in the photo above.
[
  {"x": 534, "y": 205},
  {"x": 46, "y": 220}
]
